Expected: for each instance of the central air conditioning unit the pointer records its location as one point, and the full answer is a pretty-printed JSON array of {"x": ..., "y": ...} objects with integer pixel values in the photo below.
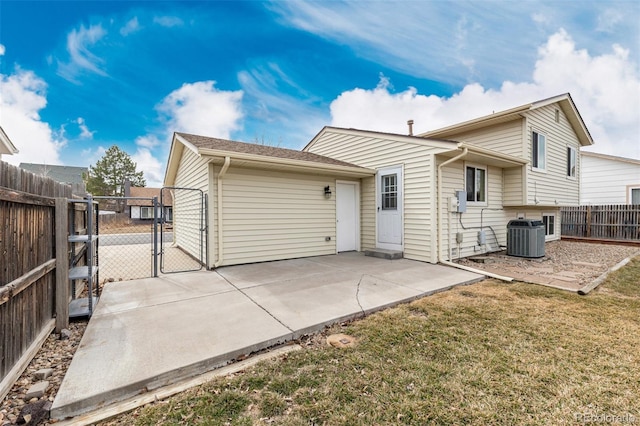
[{"x": 525, "y": 238}]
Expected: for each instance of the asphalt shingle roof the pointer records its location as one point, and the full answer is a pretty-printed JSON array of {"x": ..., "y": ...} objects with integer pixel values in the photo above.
[{"x": 203, "y": 142}]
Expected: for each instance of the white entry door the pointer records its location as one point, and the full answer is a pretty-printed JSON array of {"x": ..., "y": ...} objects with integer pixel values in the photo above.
[
  {"x": 389, "y": 208},
  {"x": 347, "y": 229}
]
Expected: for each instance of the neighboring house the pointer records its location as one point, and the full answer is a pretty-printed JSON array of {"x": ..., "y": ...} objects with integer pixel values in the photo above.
[
  {"x": 142, "y": 208},
  {"x": 6, "y": 146},
  {"x": 68, "y": 175},
  {"x": 606, "y": 179},
  {"x": 445, "y": 194}
]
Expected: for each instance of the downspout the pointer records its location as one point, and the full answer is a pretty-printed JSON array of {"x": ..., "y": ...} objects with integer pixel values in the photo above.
[
  {"x": 225, "y": 166},
  {"x": 463, "y": 154}
]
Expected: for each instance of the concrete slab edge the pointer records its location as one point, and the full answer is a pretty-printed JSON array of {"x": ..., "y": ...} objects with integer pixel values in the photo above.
[
  {"x": 593, "y": 285},
  {"x": 159, "y": 394},
  {"x": 130, "y": 390}
]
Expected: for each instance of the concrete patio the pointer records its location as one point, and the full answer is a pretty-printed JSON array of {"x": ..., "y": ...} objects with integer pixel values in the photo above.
[{"x": 150, "y": 333}]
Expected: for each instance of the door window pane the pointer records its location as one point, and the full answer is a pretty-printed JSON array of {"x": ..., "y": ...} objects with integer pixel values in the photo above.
[{"x": 389, "y": 192}]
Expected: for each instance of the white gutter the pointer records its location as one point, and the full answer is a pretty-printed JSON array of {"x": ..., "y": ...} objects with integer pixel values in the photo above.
[
  {"x": 463, "y": 154},
  {"x": 225, "y": 166}
]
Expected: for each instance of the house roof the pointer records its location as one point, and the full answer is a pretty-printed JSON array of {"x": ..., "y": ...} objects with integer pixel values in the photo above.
[
  {"x": 255, "y": 155},
  {"x": 564, "y": 101},
  {"x": 610, "y": 157},
  {"x": 419, "y": 140},
  {"x": 146, "y": 194},
  {"x": 6, "y": 146},
  {"x": 63, "y": 174}
]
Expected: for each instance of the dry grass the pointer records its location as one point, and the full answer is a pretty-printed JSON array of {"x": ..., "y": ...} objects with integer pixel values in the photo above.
[{"x": 491, "y": 353}]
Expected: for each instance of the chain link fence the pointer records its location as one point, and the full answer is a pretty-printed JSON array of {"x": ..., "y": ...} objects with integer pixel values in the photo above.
[{"x": 129, "y": 246}]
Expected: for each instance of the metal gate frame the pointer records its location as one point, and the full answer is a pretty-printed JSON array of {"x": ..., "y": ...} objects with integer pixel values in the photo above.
[
  {"x": 203, "y": 236},
  {"x": 154, "y": 236}
]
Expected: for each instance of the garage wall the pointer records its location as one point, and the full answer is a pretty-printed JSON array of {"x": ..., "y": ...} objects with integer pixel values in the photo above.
[
  {"x": 270, "y": 215},
  {"x": 192, "y": 173}
]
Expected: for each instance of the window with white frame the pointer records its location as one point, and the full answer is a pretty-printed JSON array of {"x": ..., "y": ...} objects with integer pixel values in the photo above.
[
  {"x": 571, "y": 161},
  {"x": 549, "y": 220},
  {"x": 538, "y": 151},
  {"x": 146, "y": 212},
  {"x": 634, "y": 195},
  {"x": 476, "y": 184}
]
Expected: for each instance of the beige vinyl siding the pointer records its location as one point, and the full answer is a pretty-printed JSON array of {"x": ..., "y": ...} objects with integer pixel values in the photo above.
[
  {"x": 192, "y": 173},
  {"x": 368, "y": 213},
  {"x": 270, "y": 215},
  {"x": 505, "y": 138},
  {"x": 607, "y": 181},
  {"x": 492, "y": 217},
  {"x": 552, "y": 187},
  {"x": 513, "y": 186},
  {"x": 378, "y": 152}
]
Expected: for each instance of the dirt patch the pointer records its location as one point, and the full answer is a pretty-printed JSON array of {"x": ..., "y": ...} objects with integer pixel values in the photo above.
[{"x": 567, "y": 265}]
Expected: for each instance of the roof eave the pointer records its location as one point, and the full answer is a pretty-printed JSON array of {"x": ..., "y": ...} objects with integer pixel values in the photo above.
[
  {"x": 9, "y": 147},
  {"x": 289, "y": 164},
  {"x": 487, "y": 156}
]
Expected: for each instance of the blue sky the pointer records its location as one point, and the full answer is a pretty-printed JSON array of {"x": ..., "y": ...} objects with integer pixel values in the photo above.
[{"x": 77, "y": 77}]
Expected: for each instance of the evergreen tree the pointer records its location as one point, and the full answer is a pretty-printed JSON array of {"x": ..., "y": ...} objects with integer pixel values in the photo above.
[{"x": 107, "y": 177}]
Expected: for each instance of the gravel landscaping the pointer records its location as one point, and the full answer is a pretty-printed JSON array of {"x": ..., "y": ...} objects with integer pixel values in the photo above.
[{"x": 569, "y": 265}]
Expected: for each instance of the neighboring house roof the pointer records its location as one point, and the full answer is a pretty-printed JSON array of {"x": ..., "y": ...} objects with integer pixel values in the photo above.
[
  {"x": 449, "y": 148},
  {"x": 248, "y": 154},
  {"x": 146, "y": 192},
  {"x": 564, "y": 101},
  {"x": 610, "y": 157},
  {"x": 6, "y": 146},
  {"x": 63, "y": 174}
]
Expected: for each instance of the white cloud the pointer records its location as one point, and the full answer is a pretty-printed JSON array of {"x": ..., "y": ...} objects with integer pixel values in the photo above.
[
  {"x": 85, "y": 133},
  {"x": 605, "y": 88},
  {"x": 130, "y": 27},
  {"x": 168, "y": 21},
  {"x": 152, "y": 167},
  {"x": 198, "y": 108},
  {"x": 81, "y": 59},
  {"x": 201, "y": 108},
  {"x": 22, "y": 96},
  {"x": 2, "y": 49}
]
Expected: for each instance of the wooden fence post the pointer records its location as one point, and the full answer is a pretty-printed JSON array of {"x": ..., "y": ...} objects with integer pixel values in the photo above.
[
  {"x": 62, "y": 264},
  {"x": 588, "y": 221}
]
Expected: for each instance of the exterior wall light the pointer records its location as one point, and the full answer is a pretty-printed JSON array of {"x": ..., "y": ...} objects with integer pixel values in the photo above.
[{"x": 327, "y": 192}]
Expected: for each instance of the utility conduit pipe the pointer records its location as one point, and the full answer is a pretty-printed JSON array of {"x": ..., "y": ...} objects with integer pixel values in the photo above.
[
  {"x": 463, "y": 154},
  {"x": 223, "y": 171}
]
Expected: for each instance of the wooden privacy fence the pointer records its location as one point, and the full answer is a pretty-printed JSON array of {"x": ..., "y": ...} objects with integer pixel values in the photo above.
[
  {"x": 33, "y": 228},
  {"x": 607, "y": 222}
]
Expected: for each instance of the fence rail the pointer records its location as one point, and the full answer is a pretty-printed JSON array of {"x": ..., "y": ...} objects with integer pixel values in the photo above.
[
  {"x": 27, "y": 266},
  {"x": 607, "y": 222}
]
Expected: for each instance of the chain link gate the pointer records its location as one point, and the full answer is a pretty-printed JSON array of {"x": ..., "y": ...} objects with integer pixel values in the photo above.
[
  {"x": 183, "y": 230},
  {"x": 141, "y": 236},
  {"x": 126, "y": 237}
]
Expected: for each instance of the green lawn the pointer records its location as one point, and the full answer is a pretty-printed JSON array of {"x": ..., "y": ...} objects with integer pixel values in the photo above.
[{"x": 489, "y": 353}]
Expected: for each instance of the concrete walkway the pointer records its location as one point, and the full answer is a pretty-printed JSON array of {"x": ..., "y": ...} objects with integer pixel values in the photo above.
[{"x": 153, "y": 332}]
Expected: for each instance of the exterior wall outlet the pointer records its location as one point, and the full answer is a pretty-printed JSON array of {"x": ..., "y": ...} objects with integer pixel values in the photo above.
[{"x": 327, "y": 238}]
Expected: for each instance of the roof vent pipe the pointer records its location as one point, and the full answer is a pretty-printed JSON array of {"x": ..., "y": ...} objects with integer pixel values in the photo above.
[{"x": 410, "y": 124}]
